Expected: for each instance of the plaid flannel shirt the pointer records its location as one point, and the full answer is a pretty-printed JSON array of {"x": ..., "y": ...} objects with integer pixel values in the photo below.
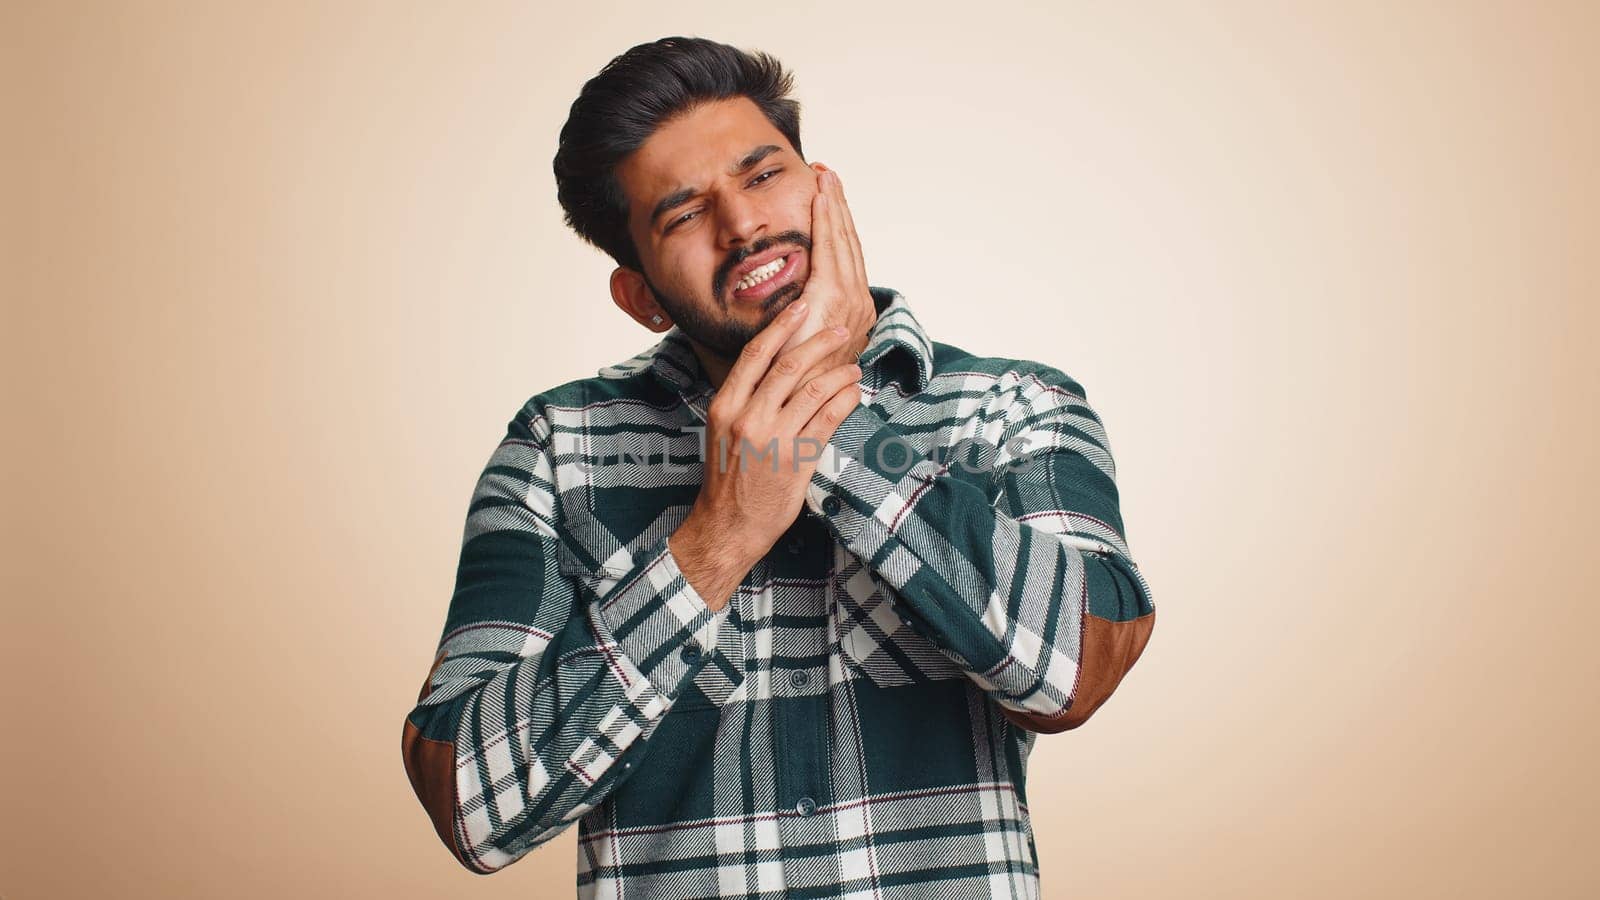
[{"x": 856, "y": 721}]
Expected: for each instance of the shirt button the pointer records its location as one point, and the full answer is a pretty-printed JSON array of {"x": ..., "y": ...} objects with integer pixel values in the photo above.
[
  {"x": 691, "y": 652},
  {"x": 830, "y": 505},
  {"x": 806, "y": 806},
  {"x": 798, "y": 677}
]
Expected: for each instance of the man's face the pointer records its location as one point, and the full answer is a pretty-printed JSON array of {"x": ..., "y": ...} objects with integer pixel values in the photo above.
[{"x": 716, "y": 199}]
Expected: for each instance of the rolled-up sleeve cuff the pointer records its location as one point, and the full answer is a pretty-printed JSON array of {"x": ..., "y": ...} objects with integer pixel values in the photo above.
[{"x": 649, "y": 619}]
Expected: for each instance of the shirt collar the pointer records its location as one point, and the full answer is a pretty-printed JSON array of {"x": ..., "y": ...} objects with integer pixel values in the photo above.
[
  {"x": 897, "y": 338},
  {"x": 896, "y": 342}
]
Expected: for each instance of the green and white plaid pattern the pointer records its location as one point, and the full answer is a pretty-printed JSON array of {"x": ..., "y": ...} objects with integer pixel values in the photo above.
[{"x": 856, "y": 721}]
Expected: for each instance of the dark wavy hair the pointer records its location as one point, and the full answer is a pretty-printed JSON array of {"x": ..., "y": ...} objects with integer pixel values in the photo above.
[{"x": 630, "y": 98}]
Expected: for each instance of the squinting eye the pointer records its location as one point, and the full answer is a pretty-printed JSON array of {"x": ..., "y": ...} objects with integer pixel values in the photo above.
[
  {"x": 764, "y": 176},
  {"x": 681, "y": 219}
]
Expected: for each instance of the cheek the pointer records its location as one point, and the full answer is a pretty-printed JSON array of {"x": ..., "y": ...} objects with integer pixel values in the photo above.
[
  {"x": 693, "y": 267},
  {"x": 797, "y": 208}
]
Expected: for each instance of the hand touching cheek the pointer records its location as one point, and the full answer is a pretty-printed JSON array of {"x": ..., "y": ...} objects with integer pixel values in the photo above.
[{"x": 836, "y": 287}]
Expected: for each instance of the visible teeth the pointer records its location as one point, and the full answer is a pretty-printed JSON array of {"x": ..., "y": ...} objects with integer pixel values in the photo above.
[{"x": 759, "y": 274}]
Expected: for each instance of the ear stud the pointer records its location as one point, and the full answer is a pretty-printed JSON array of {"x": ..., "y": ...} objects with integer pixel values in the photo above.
[{"x": 656, "y": 319}]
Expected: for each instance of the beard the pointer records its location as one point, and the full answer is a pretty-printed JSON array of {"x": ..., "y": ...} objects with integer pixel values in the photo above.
[{"x": 722, "y": 335}]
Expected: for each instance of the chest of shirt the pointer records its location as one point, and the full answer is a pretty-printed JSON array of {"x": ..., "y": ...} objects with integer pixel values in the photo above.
[{"x": 628, "y": 472}]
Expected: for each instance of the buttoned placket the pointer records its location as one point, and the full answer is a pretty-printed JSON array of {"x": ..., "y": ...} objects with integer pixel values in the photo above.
[
  {"x": 801, "y": 725},
  {"x": 801, "y": 713}
]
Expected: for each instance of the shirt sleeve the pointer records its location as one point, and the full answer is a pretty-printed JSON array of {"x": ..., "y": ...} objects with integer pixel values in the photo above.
[
  {"x": 1009, "y": 555},
  {"x": 542, "y": 697}
]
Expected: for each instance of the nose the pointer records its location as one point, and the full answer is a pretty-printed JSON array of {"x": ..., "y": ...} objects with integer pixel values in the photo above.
[{"x": 741, "y": 219}]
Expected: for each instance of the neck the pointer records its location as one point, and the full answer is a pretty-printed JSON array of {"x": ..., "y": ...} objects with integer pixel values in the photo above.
[{"x": 715, "y": 365}]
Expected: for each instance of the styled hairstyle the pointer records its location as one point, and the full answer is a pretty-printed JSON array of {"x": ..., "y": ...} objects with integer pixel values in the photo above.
[{"x": 636, "y": 93}]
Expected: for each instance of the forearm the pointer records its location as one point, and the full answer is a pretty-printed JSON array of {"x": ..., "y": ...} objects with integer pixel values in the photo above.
[
  {"x": 542, "y": 695},
  {"x": 499, "y": 781},
  {"x": 521, "y": 732},
  {"x": 1024, "y": 581}
]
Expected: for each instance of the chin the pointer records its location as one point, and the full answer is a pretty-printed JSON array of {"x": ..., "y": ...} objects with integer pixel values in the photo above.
[{"x": 787, "y": 294}]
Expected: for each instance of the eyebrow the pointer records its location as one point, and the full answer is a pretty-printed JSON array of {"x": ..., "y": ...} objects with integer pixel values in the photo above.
[{"x": 684, "y": 195}]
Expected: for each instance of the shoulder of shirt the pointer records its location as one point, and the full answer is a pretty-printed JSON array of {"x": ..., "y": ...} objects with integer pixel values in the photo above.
[
  {"x": 950, "y": 361},
  {"x": 621, "y": 382}
]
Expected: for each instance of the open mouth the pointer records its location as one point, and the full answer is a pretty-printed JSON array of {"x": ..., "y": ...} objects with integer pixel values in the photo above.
[{"x": 762, "y": 280}]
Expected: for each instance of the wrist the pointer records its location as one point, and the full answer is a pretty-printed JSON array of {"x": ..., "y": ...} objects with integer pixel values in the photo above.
[{"x": 712, "y": 564}]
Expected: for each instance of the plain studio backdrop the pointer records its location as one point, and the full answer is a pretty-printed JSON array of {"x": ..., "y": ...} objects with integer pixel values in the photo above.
[{"x": 277, "y": 275}]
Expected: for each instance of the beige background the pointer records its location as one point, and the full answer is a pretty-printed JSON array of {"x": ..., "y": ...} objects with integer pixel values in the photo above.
[{"x": 277, "y": 275}]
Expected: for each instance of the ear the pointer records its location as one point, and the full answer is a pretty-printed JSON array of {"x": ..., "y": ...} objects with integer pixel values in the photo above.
[{"x": 635, "y": 298}]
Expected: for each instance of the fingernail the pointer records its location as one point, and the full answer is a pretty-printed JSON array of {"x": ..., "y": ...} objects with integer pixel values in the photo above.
[{"x": 798, "y": 307}]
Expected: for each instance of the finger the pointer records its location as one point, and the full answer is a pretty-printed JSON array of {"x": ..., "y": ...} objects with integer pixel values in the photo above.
[
  {"x": 836, "y": 240},
  {"x": 751, "y": 366},
  {"x": 828, "y": 416},
  {"x": 809, "y": 397},
  {"x": 850, "y": 245},
  {"x": 848, "y": 265},
  {"x": 792, "y": 366},
  {"x": 824, "y": 267}
]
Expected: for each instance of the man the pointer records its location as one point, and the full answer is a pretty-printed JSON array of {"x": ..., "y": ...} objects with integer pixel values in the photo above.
[{"x": 777, "y": 606}]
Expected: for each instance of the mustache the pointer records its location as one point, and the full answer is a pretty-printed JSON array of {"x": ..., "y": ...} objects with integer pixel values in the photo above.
[{"x": 719, "y": 281}]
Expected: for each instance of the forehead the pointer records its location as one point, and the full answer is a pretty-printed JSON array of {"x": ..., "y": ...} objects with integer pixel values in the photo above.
[{"x": 692, "y": 150}]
